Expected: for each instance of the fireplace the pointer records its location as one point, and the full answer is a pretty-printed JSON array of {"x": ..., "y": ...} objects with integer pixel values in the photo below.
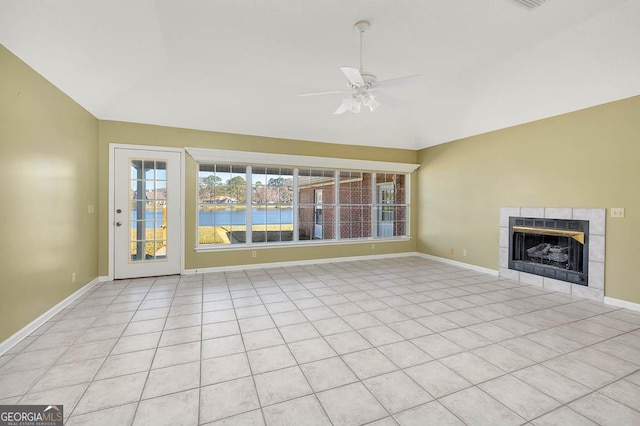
[
  {"x": 558, "y": 248},
  {"x": 553, "y": 248}
]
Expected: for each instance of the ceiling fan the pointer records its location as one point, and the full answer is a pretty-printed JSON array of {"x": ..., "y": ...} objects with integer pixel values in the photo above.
[{"x": 361, "y": 83}]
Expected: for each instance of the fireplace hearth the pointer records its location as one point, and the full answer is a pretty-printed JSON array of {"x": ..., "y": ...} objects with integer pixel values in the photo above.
[{"x": 553, "y": 248}]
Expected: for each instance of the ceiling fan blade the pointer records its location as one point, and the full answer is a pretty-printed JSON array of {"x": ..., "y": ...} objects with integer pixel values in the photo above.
[
  {"x": 399, "y": 81},
  {"x": 353, "y": 75},
  {"x": 328, "y": 92}
]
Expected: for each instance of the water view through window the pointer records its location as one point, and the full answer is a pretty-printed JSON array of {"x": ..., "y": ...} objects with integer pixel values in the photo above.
[{"x": 240, "y": 204}]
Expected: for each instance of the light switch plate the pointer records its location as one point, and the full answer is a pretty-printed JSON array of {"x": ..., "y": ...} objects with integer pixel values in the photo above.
[{"x": 617, "y": 212}]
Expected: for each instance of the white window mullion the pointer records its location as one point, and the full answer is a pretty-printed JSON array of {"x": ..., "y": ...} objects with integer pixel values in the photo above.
[
  {"x": 248, "y": 211},
  {"x": 374, "y": 206},
  {"x": 407, "y": 206},
  {"x": 336, "y": 200},
  {"x": 296, "y": 227}
]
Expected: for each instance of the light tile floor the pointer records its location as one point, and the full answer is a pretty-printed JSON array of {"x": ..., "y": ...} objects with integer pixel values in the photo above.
[{"x": 403, "y": 341}]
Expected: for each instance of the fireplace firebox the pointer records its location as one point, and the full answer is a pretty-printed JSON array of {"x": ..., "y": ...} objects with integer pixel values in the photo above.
[{"x": 554, "y": 248}]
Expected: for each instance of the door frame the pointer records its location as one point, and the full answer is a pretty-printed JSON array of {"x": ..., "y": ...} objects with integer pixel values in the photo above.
[
  {"x": 380, "y": 187},
  {"x": 111, "y": 206}
]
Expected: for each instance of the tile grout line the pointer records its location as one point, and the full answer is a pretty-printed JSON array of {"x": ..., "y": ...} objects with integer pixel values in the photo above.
[
  {"x": 433, "y": 313},
  {"x": 152, "y": 359},
  {"x": 315, "y": 396},
  {"x": 87, "y": 296},
  {"x": 246, "y": 356}
]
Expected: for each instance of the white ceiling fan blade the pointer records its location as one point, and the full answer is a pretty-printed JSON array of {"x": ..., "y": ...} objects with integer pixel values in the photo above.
[
  {"x": 399, "y": 81},
  {"x": 328, "y": 92},
  {"x": 353, "y": 75}
]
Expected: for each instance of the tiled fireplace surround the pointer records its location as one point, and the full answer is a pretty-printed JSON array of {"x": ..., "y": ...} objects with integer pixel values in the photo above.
[{"x": 597, "y": 220}]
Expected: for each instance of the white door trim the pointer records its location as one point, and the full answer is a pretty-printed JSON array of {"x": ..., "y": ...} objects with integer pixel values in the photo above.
[{"x": 111, "y": 217}]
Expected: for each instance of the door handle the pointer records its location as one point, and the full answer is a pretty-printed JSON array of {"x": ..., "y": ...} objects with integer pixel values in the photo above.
[{"x": 118, "y": 223}]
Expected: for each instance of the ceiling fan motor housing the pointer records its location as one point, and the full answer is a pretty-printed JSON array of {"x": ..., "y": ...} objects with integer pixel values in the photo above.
[{"x": 369, "y": 79}]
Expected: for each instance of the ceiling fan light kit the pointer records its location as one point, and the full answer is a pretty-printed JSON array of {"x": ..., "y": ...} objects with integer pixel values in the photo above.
[
  {"x": 361, "y": 83},
  {"x": 355, "y": 102}
]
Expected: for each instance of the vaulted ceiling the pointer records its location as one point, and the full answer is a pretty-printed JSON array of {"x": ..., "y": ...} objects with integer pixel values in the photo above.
[{"x": 238, "y": 65}]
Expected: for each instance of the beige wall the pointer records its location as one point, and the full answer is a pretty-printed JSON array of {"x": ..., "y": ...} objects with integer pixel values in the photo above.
[
  {"x": 48, "y": 177},
  {"x": 140, "y": 134},
  {"x": 588, "y": 158}
]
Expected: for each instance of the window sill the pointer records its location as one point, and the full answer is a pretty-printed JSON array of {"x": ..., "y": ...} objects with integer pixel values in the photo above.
[{"x": 312, "y": 243}]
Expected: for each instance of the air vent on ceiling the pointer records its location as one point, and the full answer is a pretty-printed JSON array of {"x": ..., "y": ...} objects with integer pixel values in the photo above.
[{"x": 530, "y": 3}]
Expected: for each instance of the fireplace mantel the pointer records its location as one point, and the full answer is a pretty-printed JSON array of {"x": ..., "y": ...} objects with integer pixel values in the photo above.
[{"x": 597, "y": 226}]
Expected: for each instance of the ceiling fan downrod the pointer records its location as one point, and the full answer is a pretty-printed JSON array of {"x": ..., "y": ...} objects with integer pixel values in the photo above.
[{"x": 361, "y": 27}]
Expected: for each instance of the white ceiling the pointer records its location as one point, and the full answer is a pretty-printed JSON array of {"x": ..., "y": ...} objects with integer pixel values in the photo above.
[{"x": 238, "y": 65}]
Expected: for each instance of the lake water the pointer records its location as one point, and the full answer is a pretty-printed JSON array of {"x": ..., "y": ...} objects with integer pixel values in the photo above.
[{"x": 229, "y": 217}]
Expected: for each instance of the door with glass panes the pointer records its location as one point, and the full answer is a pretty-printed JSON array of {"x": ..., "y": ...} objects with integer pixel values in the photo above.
[
  {"x": 147, "y": 240},
  {"x": 386, "y": 194}
]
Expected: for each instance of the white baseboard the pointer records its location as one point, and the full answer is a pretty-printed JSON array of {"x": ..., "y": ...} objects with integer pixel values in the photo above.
[
  {"x": 460, "y": 264},
  {"x": 36, "y": 323},
  {"x": 104, "y": 278},
  {"x": 622, "y": 303},
  {"x": 294, "y": 263}
]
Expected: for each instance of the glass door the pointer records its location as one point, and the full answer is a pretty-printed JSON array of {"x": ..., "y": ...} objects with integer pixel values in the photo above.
[{"x": 147, "y": 198}]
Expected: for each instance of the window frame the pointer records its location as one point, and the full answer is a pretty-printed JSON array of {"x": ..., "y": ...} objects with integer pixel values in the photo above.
[{"x": 247, "y": 159}]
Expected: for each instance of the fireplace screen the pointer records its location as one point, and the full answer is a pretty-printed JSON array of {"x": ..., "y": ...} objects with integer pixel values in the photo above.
[{"x": 551, "y": 248}]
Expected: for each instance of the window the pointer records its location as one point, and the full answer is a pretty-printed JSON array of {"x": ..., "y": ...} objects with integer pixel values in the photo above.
[
  {"x": 222, "y": 204},
  {"x": 257, "y": 204},
  {"x": 316, "y": 204},
  {"x": 271, "y": 204},
  {"x": 355, "y": 205},
  {"x": 148, "y": 181},
  {"x": 390, "y": 204}
]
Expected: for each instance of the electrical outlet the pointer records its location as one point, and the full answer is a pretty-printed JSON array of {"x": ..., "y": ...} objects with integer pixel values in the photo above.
[
  {"x": 451, "y": 251},
  {"x": 464, "y": 252},
  {"x": 91, "y": 208},
  {"x": 253, "y": 253},
  {"x": 617, "y": 212},
  {"x": 373, "y": 246},
  {"x": 73, "y": 277}
]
